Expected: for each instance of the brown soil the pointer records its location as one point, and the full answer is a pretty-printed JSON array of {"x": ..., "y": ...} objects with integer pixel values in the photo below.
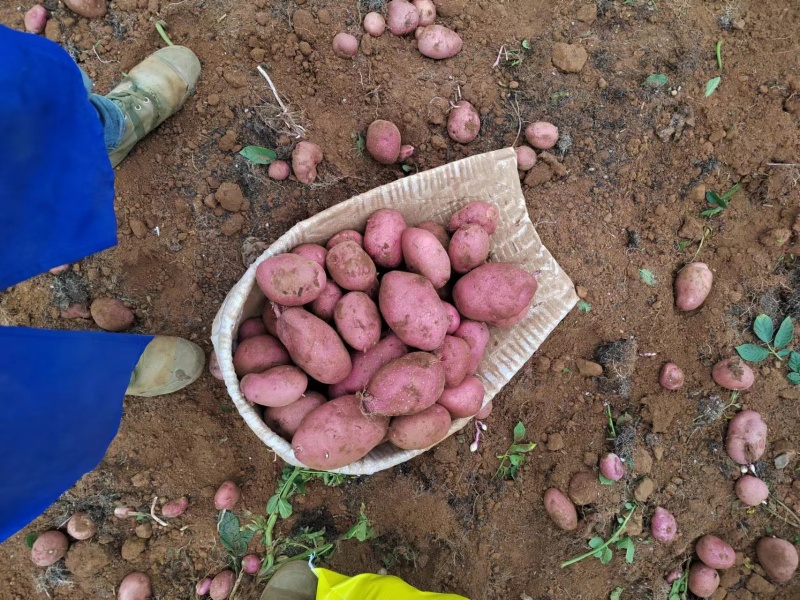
[{"x": 611, "y": 203}]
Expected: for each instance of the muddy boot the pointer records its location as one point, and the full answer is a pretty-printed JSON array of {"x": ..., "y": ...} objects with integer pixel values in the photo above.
[
  {"x": 153, "y": 91},
  {"x": 292, "y": 581},
  {"x": 166, "y": 365}
]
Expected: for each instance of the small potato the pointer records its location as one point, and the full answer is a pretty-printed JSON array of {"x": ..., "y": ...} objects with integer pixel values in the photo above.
[
  {"x": 421, "y": 430},
  {"x": 251, "y": 563},
  {"x": 382, "y": 238},
  {"x": 714, "y": 552},
  {"x": 36, "y": 19},
  {"x": 346, "y": 235},
  {"x": 413, "y": 310},
  {"x": 135, "y": 586},
  {"x": 692, "y": 286},
  {"x": 477, "y": 336},
  {"x": 494, "y": 292},
  {"x": 663, "y": 526},
  {"x": 277, "y": 386},
  {"x": 560, "y": 509},
  {"x": 251, "y": 328},
  {"x": 469, "y": 248},
  {"x": 464, "y": 123},
  {"x": 526, "y": 158},
  {"x": 374, "y": 24},
  {"x": 403, "y": 17},
  {"x": 426, "y": 10},
  {"x": 337, "y": 433},
  {"x": 455, "y": 356},
  {"x": 222, "y": 585},
  {"x": 438, "y": 42},
  {"x": 290, "y": 279},
  {"x": 584, "y": 488},
  {"x": 751, "y": 491},
  {"x": 313, "y": 252},
  {"x": 175, "y": 508},
  {"x": 80, "y": 526},
  {"x": 284, "y": 420},
  {"x": 345, "y": 45},
  {"x": 213, "y": 366},
  {"x": 465, "y": 399},
  {"x": 314, "y": 346},
  {"x": 440, "y": 231},
  {"x": 541, "y": 135},
  {"x": 671, "y": 377},
  {"x": 227, "y": 496},
  {"x": 703, "y": 580},
  {"x": 358, "y": 321},
  {"x": 747, "y": 437},
  {"x": 257, "y": 354},
  {"x": 305, "y": 158},
  {"x": 425, "y": 255},
  {"x": 49, "y": 548},
  {"x": 324, "y": 304},
  {"x": 453, "y": 317},
  {"x": 778, "y": 558},
  {"x": 279, "y": 170},
  {"x": 611, "y": 467},
  {"x": 351, "y": 267},
  {"x": 111, "y": 314},
  {"x": 366, "y": 364},
  {"x": 733, "y": 374},
  {"x": 485, "y": 411},
  {"x": 383, "y": 141},
  {"x": 406, "y": 152},
  {"x": 484, "y": 214},
  {"x": 203, "y": 587},
  {"x": 405, "y": 386}
]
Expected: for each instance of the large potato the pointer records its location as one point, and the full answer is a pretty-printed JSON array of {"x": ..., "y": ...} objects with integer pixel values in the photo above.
[
  {"x": 382, "y": 238},
  {"x": 663, "y": 526},
  {"x": 464, "y": 123},
  {"x": 560, "y": 509},
  {"x": 438, "y": 42},
  {"x": 257, "y": 354},
  {"x": 366, "y": 364},
  {"x": 469, "y": 247},
  {"x": 747, "y": 437},
  {"x": 337, "y": 433},
  {"x": 346, "y": 235},
  {"x": 420, "y": 430},
  {"x": 358, "y": 320},
  {"x": 305, "y": 158},
  {"x": 733, "y": 374},
  {"x": 406, "y": 385},
  {"x": 49, "y": 548},
  {"x": 425, "y": 255},
  {"x": 426, "y": 10},
  {"x": 413, "y": 310},
  {"x": 703, "y": 580},
  {"x": 284, "y": 420},
  {"x": 403, "y": 17},
  {"x": 494, "y": 292},
  {"x": 135, "y": 586},
  {"x": 324, "y": 304},
  {"x": 351, "y": 267},
  {"x": 541, "y": 135},
  {"x": 751, "y": 491},
  {"x": 483, "y": 213},
  {"x": 477, "y": 336},
  {"x": 290, "y": 279},
  {"x": 277, "y": 386},
  {"x": 455, "y": 355},
  {"x": 465, "y": 399},
  {"x": 715, "y": 552},
  {"x": 692, "y": 286},
  {"x": 345, "y": 45},
  {"x": 314, "y": 346},
  {"x": 251, "y": 328},
  {"x": 778, "y": 558},
  {"x": 383, "y": 141},
  {"x": 440, "y": 231}
]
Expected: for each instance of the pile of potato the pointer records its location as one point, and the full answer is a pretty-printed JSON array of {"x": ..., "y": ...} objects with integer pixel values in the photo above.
[{"x": 377, "y": 336}]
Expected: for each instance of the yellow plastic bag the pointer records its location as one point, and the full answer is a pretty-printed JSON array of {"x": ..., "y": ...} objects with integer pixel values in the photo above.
[{"x": 367, "y": 586}]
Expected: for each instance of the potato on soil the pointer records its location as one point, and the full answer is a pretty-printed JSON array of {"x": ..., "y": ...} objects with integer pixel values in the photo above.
[
  {"x": 290, "y": 279},
  {"x": 383, "y": 141},
  {"x": 337, "y": 434},
  {"x": 469, "y": 248},
  {"x": 314, "y": 346},
  {"x": 49, "y": 548},
  {"x": 420, "y": 430},
  {"x": 485, "y": 411},
  {"x": 374, "y": 24},
  {"x": 440, "y": 231},
  {"x": 671, "y": 377},
  {"x": 257, "y": 354},
  {"x": 438, "y": 42},
  {"x": 366, "y": 364},
  {"x": 703, "y": 580},
  {"x": 279, "y": 170},
  {"x": 747, "y": 437},
  {"x": 611, "y": 467},
  {"x": 251, "y": 328},
  {"x": 413, "y": 310},
  {"x": 277, "y": 386},
  {"x": 351, "y": 267},
  {"x": 284, "y": 420},
  {"x": 526, "y": 158},
  {"x": 358, "y": 320},
  {"x": 778, "y": 558},
  {"x": 426, "y": 10},
  {"x": 465, "y": 399},
  {"x": 663, "y": 526},
  {"x": 494, "y": 292},
  {"x": 345, "y": 45},
  {"x": 222, "y": 585},
  {"x": 175, "y": 508},
  {"x": 346, "y": 235},
  {"x": 425, "y": 255},
  {"x": 733, "y": 374},
  {"x": 464, "y": 123},
  {"x": 560, "y": 509},
  {"x": 405, "y": 386},
  {"x": 227, "y": 496},
  {"x": 750, "y": 490},
  {"x": 483, "y": 213},
  {"x": 477, "y": 337},
  {"x": 135, "y": 586},
  {"x": 251, "y": 563},
  {"x": 324, "y": 304},
  {"x": 406, "y": 152},
  {"x": 80, "y": 526},
  {"x": 692, "y": 286},
  {"x": 111, "y": 314},
  {"x": 403, "y": 17},
  {"x": 584, "y": 488},
  {"x": 305, "y": 158},
  {"x": 453, "y": 317},
  {"x": 313, "y": 252},
  {"x": 382, "y": 238},
  {"x": 541, "y": 135},
  {"x": 36, "y": 19},
  {"x": 455, "y": 356},
  {"x": 715, "y": 552},
  {"x": 203, "y": 587}
]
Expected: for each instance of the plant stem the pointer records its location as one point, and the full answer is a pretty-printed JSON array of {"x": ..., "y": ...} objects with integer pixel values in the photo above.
[
  {"x": 611, "y": 540},
  {"x": 162, "y": 33}
]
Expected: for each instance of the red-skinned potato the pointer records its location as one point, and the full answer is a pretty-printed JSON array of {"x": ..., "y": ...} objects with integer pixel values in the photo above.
[
  {"x": 345, "y": 45},
  {"x": 526, "y": 158},
  {"x": 483, "y": 213},
  {"x": 477, "y": 336},
  {"x": 270, "y": 317},
  {"x": 251, "y": 563},
  {"x": 751, "y": 491},
  {"x": 313, "y": 252},
  {"x": 406, "y": 152},
  {"x": 284, "y": 420},
  {"x": 453, "y": 318},
  {"x": 715, "y": 552},
  {"x": 251, "y": 328},
  {"x": 560, "y": 510},
  {"x": 440, "y": 231},
  {"x": 455, "y": 356},
  {"x": 346, "y": 235},
  {"x": 778, "y": 558},
  {"x": 383, "y": 141},
  {"x": 403, "y": 17},
  {"x": 203, "y": 587},
  {"x": 175, "y": 508},
  {"x": 337, "y": 433},
  {"x": 405, "y": 386},
  {"x": 426, "y": 10},
  {"x": 314, "y": 346},
  {"x": 494, "y": 292},
  {"x": 413, "y": 310},
  {"x": 324, "y": 304},
  {"x": 425, "y": 255},
  {"x": 366, "y": 364},
  {"x": 36, "y": 19},
  {"x": 374, "y": 24},
  {"x": 747, "y": 437},
  {"x": 382, "y": 238},
  {"x": 290, "y": 279},
  {"x": 222, "y": 585},
  {"x": 703, "y": 580},
  {"x": 227, "y": 496},
  {"x": 49, "y": 548},
  {"x": 213, "y": 366},
  {"x": 80, "y": 526},
  {"x": 485, "y": 411},
  {"x": 663, "y": 526},
  {"x": 692, "y": 286},
  {"x": 733, "y": 374},
  {"x": 671, "y": 377},
  {"x": 305, "y": 158},
  {"x": 351, "y": 267},
  {"x": 464, "y": 123},
  {"x": 438, "y": 42},
  {"x": 277, "y": 386},
  {"x": 135, "y": 586},
  {"x": 279, "y": 170},
  {"x": 541, "y": 135},
  {"x": 611, "y": 467},
  {"x": 358, "y": 321},
  {"x": 420, "y": 430},
  {"x": 257, "y": 354},
  {"x": 111, "y": 314},
  {"x": 469, "y": 248},
  {"x": 465, "y": 399}
]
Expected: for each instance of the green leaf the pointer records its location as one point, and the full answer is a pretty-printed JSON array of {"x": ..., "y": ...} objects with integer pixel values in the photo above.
[
  {"x": 284, "y": 508},
  {"x": 605, "y": 480},
  {"x": 713, "y": 198},
  {"x": 629, "y": 506},
  {"x": 794, "y": 361},
  {"x": 607, "y": 556},
  {"x": 526, "y": 44},
  {"x": 626, "y": 544},
  {"x": 233, "y": 538},
  {"x": 361, "y": 530},
  {"x": 763, "y": 328},
  {"x": 616, "y": 594},
  {"x": 30, "y": 538},
  {"x": 785, "y": 333},
  {"x": 711, "y": 85},
  {"x": 794, "y": 378},
  {"x": 752, "y": 353},
  {"x": 711, "y": 212},
  {"x": 519, "y": 432},
  {"x": 656, "y": 80},
  {"x": 584, "y": 306},
  {"x": 516, "y": 459},
  {"x": 729, "y": 194},
  {"x": 596, "y": 542},
  {"x": 406, "y": 168},
  {"x": 521, "y": 448},
  {"x": 647, "y": 277},
  {"x": 784, "y": 353},
  {"x": 258, "y": 155},
  {"x": 272, "y": 504}
]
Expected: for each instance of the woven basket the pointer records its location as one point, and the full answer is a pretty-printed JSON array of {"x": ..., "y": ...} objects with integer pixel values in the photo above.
[{"x": 430, "y": 195}]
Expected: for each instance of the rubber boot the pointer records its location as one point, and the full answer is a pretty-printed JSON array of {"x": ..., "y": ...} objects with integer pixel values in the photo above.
[
  {"x": 292, "y": 581},
  {"x": 166, "y": 365}
]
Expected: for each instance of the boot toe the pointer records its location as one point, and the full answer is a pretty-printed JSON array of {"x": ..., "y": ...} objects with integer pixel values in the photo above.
[{"x": 183, "y": 61}]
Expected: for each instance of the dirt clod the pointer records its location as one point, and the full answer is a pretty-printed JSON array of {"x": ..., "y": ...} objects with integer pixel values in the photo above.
[
  {"x": 644, "y": 490},
  {"x": 570, "y": 58},
  {"x": 230, "y": 197},
  {"x": 132, "y": 548}
]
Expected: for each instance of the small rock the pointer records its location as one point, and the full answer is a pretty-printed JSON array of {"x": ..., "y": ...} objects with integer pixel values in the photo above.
[
  {"x": 775, "y": 237},
  {"x": 305, "y": 48},
  {"x": 584, "y": 488},
  {"x": 132, "y": 548},
  {"x": 716, "y": 136},
  {"x": 542, "y": 364},
  {"x": 91, "y": 9},
  {"x": 552, "y": 161},
  {"x": 234, "y": 79},
  {"x": 642, "y": 461},
  {"x": 691, "y": 229},
  {"x": 587, "y": 13},
  {"x": 213, "y": 99},
  {"x": 719, "y": 594},
  {"x": 635, "y": 525},
  {"x": 760, "y": 586},
  {"x": 588, "y": 368},
  {"x": 86, "y": 560},
  {"x": 539, "y": 174},
  {"x": 730, "y": 578},
  {"x": 262, "y": 18},
  {"x": 233, "y": 225},
  {"x": 252, "y": 248},
  {"x": 555, "y": 442},
  {"x": 590, "y": 459},
  {"x": 782, "y": 460},
  {"x": 697, "y": 193},
  {"x": 644, "y": 490},
  {"x": 581, "y": 291},
  {"x": 144, "y": 531},
  {"x": 258, "y": 55},
  {"x": 229, "y": 196},
  {"x": 738, "y": 24},
  {"x": 228, "y": 143},
  {"x": 141, "y": 479},
  {"x": 569, "y": 58},
  {"x": 52, "y": 31},
  {"x": 111, "y": 314},
  {"x": 210, "y": 201},
  {"x": 138, "y": 228}
]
